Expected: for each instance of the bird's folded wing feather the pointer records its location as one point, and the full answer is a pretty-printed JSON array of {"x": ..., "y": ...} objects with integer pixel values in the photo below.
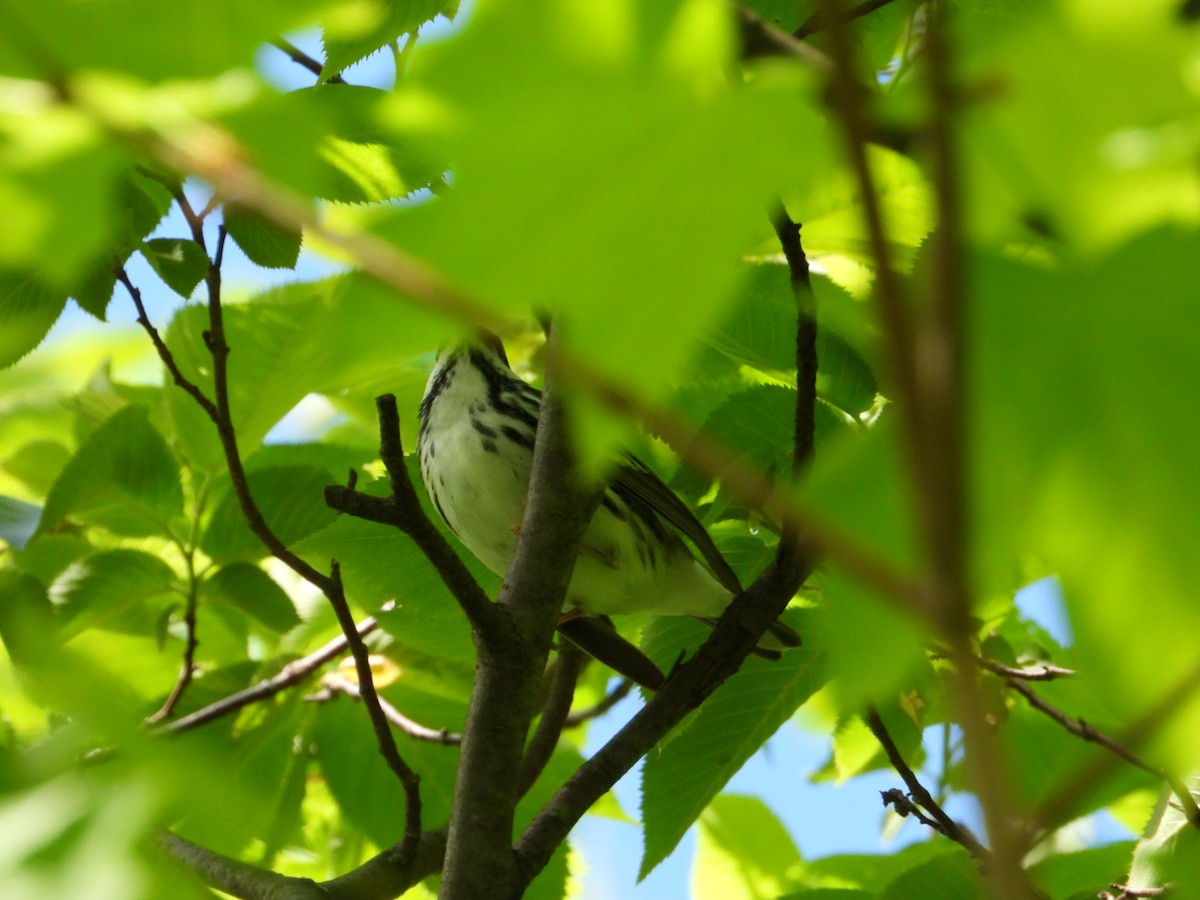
[{"x": 638, "y": 486}]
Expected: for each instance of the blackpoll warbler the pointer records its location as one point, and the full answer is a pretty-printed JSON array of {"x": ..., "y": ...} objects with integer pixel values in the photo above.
[{"x": 476, "y": 451}]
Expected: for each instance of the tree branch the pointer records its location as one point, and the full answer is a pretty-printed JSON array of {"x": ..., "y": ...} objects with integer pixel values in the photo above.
[
  {"x": 164, "y": 352},
  {"x": 577, "y": 717},
  {"x": 736, "y": 635},
  {"x": 1063, "y": 800},
  {"x": 411, "y": 519},
  {"x": 554, "y": 715},
  {"x": 820, "y": 20},
  {"x": 291, "y": 674},
  {"x": 739, "y": 630},
  {"x": 383, "y": 877},
  {"x": 383, "y": 734},
  {"x": 941, "y": 821},
  {"x": 298, "y": 56},
  {"x": 480, "y": 861},
  {"x": 336, "y": 684},
  {"x": 187, "y": 668},
  {"x": 1082, "y": 729}
]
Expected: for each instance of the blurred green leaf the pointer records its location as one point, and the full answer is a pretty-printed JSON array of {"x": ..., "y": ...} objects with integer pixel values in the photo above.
[
  {"x": 635, "y": 281},
  {"x": 951, "y": 876},
  {"x": 1066, "y": 875},
  {"x": 28, "y": 309},
  {"x": 108, "y": 589},
  {"x": 123, "y": 478},
  {"x": 744, "y": 852},
  {"x": 191, "y": 39},
  {"x": 59, "y": 183}
]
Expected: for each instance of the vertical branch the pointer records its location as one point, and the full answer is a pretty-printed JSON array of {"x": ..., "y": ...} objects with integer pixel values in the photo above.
[
  {"x": 554, "y": 715},
  {"x": 187, "y": 668},
  {"x": 480, "y": 861},
  {"x": 939, "y": 381},
  {"x": 788, "y": 233}
]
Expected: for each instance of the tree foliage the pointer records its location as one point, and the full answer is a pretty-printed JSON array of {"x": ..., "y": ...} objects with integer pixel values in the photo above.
[{"x": 951, "y": 244}]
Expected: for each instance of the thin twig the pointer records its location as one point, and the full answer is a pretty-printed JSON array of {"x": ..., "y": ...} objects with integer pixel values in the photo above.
[
  {"x": 554, "y": 715},
  {"x": 415, "y": 730},
  {"x": 299, "y": 57},
  {"x": 1064, "y": 799},
  {"x": 1039, "y": 672},
  {"x": 941, "y": 821},
  {"x": 820, "y": 20},
  {"x": 578, "y": 716},
  {"x": 290, "y": 675},
  {"x": 793, "y": 549},
  {"x": 164, "y": 352},
  {"x": 1082, "y": 729},
  {"x": 383, "y": 734},
  {"x": 187, "y": 668},
  {"x": 330, "y": 585}
]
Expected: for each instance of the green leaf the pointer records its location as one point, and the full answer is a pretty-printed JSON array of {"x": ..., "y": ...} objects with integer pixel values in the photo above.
[
  {"x": 141, "y": 205},
  {"x": 180, "y": 262},
  {"x": 18, "y": 521},
  {"x": 265, "y": 243},
  {"x": 1065, "y": 875},
  {"x": 681, "y": 779},
  {"x": 187, "y": 40},
  {"x": 951, "y": 876},
  {"x": 365, "y": 789},
  {"x": 59, "y": 177},
  {"x": 48, "y": 554},
  {"x": 304, "y": 338},
  {"x": 744, "y": 852},
  {"x": 628, "y": 269},
  {"x": 873, "y": 873},
  {"x": 1169, "y": 851},
  {"x": 123, "y": 478},
  {"x": 28, "y": 309},
  {"x": 110, "y": 589},
  {"x": 254, "y": 592},
  {"x": 1123, "y": 164},
  {"x": 391, "y": 20},
  {"x": 290, "y": 499},
  {"x": 1061, "y": 443}
]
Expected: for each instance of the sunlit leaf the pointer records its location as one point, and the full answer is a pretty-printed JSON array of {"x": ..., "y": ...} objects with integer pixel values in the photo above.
[
  {"x": 744, "y": 852},
  {"x": 108, "y": 589},
  {"x": 681, "y": 778},
  {"x": 180, "y": 262},
  {"x": 253, "y": 591},
  {"x": 391, "y": 20},
  {"x": 264, "y": 242}
]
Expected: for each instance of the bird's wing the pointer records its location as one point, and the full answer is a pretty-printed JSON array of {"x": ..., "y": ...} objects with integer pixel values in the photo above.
[{"x": 637, "y": 485}]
